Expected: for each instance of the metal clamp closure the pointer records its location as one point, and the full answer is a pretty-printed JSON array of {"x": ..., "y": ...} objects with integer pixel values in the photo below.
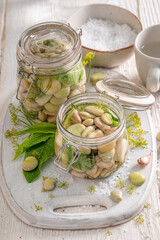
[
  {"x": 115, "y": 96},
  {"x": 60, "y": 152},
  {"x": 22, "y": 74},
  {"x": 79, "y": 32}
]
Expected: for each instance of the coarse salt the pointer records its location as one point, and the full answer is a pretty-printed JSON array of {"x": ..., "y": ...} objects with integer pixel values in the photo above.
[{"x": 106, "y": 35}]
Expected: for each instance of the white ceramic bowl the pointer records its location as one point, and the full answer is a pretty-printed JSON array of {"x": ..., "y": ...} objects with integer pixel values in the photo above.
[{"x": 119, "y": 15}]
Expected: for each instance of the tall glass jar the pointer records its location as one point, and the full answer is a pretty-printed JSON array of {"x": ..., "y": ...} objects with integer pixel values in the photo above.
[
  {"x": 94, "y": 149},
  {"x": 49, "y": 69}
]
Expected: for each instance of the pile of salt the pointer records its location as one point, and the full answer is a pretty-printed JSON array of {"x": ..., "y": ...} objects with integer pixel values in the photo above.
[{"x": 106, "y": 35}]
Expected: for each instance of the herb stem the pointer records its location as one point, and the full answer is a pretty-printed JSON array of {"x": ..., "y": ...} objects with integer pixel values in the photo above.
[{"x": 88, "y": 74}]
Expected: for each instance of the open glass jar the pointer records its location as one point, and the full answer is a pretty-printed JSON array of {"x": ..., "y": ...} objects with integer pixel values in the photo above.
[
  {"x": 91, "y": 140},
  {"x": 49, "y": 69}
]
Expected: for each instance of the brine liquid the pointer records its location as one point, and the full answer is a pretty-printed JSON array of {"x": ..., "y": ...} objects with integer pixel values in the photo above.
[{"x": 151, "y": 49}]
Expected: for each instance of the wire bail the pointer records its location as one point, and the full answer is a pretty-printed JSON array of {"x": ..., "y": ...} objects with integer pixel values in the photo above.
[
  {"x": 60, "y": 152},
  {"x": 22, "y": 74}
]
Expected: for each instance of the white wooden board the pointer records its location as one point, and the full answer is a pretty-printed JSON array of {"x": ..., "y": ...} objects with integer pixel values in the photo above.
[{"x": 22, "y": 196}]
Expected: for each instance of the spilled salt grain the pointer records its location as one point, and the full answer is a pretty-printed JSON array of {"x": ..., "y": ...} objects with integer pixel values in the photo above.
[{"x": 106, "y": 35}]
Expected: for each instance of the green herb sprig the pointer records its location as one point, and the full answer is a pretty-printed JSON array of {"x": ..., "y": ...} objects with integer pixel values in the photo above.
[
  {"x": 88, "y": 61},
  {"x": 38, "y": 139},
  {"x": 120, "y": 183},
  {"x": 20, "y": 119},
  {"x": 63, "y": 184},
  {"x": 51, "y": 196},
  {"x": 135, "y": 131},
  {"x": 148, "y": 206},
  {"x": 139, "y": 219},
  {"x": 20, "y": 116},
  {"x": 37, "y": 208},
  {"x": 91, "y": 189},
  {"x": 128, "y": 187},
  {"x": 108, "y": 233}
]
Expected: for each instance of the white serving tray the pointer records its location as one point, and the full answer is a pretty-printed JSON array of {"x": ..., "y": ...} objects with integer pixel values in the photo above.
[{"x": 21, "y": 196}]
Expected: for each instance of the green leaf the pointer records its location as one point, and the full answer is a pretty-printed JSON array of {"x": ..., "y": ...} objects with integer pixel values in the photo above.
[
  {"x": 115, "y": 124},
  {"x": 72, "y": 77},
  {"x": 84, "y": 162},
  {"x": 40, "y": 128},
  {"x": 114, "y": 118},
  {"x": 42, "y": 152},
  {"x": 31, "y": 141}
]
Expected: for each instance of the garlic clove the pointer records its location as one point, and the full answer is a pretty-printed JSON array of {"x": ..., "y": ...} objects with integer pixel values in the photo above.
[{"x": 143, "y": 161}]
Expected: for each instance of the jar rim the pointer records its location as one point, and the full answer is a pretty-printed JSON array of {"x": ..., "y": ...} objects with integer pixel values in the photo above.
[
  {"x": 29, "y": 58},
  {"x": 90, "y": 97}
]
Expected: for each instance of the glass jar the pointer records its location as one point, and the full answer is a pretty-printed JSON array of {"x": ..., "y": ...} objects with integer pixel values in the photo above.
[
  {"x": 90, "y": 157},
  {"x": 49, "y": 69}
]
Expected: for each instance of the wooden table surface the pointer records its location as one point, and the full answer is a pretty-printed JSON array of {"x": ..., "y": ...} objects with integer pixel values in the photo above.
[{"x": 15, "y": 17}]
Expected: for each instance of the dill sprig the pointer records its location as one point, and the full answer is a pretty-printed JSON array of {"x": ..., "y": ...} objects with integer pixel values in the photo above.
[
  {"x": 51, "y": 196},
  {"x": 130, "y": 188},
  {"x": 88, "y": 58},
  {"x": 37, "y": 208},
  {"x": 139, "y": 219},
  {"x": 63, "y": 184},
  {"x": 148, "y": 206},
  {"x": 12, "y": 136},
  {"x": 120, "y": 183},
  {"x": 13, "y": 113},
  {"x": 44, "y": 178},
  {"x": 91, "y": 189},
  {"x": 20, "y": 117},
  {"x": 108, "y": 233},
  {"x": 88, "y": 61},
  {"x": 135, "y": 131}
]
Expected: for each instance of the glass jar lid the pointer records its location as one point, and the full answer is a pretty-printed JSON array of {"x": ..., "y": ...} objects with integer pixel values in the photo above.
[
  {"x": 130, "y": 95},
  {"x": 49, "y": 44}
]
